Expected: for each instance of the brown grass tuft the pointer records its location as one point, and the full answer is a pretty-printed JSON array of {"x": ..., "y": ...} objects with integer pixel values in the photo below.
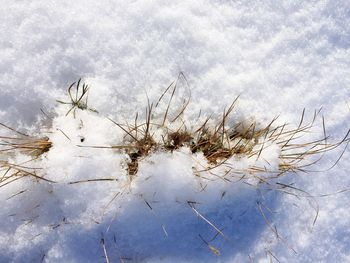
[
  {"x": 19, "y": 142},
  {"x": 23, "y": 143},
  {"x": 221, "y": 141}
]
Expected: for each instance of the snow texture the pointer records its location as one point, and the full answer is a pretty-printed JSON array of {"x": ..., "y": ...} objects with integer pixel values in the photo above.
[{"x": 279, "y": 56}]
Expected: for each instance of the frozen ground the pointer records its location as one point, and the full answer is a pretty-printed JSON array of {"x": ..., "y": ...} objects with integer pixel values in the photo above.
[{"x": 280, "y": 56}]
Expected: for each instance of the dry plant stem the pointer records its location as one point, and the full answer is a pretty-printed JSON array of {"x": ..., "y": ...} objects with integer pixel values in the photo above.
[
  {"x": 213, "y": 249},
  {"x": 191, "y": 204},
  {"x": 14, "y": 172},
  {"x": 273, "y": 228},
  {"x": 104, "y": 250},
  {"x": 94, "y": 180},
  {"x": 15, "y": 131}
]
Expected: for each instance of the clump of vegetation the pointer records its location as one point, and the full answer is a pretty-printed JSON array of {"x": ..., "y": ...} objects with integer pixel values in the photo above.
[
  {"x": 34, "y": 147},
  {"x": 23, "y": 143},
  {"x": 218, "y": 140},
  {"x": 78, "y": 98},
  {"x": 19, "y": 142},
  {"x": 223, "y": 140}
]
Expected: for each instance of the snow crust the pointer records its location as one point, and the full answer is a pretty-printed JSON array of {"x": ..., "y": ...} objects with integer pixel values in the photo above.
[{"x": 280, "y": 57}]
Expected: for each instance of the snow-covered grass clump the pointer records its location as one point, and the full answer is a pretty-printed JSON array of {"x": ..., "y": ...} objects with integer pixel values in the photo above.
[{"x": 156, "y": 186}]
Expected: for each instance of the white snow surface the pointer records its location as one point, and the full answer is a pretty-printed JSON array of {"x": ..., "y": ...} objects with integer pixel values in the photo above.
[{"x": 279, "y": 56}]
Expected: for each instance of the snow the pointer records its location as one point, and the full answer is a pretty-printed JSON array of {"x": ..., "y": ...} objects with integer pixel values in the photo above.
[{"x": 280, "y": 57}]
